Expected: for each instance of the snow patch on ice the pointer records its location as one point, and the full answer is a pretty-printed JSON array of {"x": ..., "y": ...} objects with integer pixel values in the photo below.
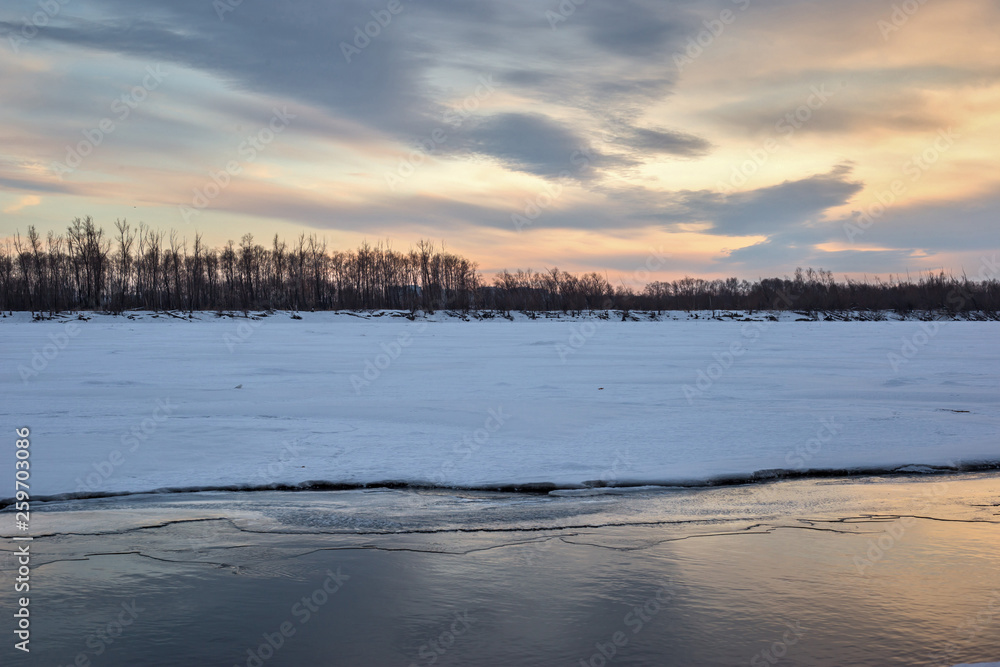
[{"x": 126, "y": 405}]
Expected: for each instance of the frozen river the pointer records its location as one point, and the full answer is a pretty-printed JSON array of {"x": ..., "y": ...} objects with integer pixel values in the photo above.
[{"x": 147, "y": 403}]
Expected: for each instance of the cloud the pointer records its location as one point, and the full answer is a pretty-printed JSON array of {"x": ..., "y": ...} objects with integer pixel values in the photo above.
[
  {"x": 533, "y": 143},
  {"x": 288, "y": 54},
  {"x": 763, "y": 211},
  {"x": 905, "y": 238},
  {"x": 667, "y": 142},
  {"x": 828, "y": 102},
  {"x": 950, "y": 225},
  {"x": 633, "y": 27},
  {"x": 36, "y": 185},
  {"x": 22, "y": 203},
  {"x": 780, "y": 255},
  {"x": 397, "y": 82}
]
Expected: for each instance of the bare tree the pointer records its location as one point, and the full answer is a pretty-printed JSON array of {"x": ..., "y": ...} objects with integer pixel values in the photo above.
[{"x": 80, "y": 272}]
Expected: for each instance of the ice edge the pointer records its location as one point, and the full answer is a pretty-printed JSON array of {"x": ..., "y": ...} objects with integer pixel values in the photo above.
[{"x": 757, "y": 477}]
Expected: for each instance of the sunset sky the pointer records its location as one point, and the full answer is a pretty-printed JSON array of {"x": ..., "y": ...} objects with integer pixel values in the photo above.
[{"x": 737, "y": 137}]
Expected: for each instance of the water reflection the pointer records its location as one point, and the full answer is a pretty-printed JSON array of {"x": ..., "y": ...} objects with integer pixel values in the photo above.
[{"x": 727, "y": 589}]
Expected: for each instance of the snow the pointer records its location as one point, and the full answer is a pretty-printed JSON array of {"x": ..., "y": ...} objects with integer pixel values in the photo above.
[{"x": 117, "y": 404}]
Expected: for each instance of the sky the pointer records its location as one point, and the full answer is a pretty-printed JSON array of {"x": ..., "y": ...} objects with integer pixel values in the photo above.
[{"x": 639, "y": 138}]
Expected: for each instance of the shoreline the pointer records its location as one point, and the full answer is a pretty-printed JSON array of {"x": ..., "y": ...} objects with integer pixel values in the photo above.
[
  {"x": 769, "y": 476},
  {"x": 513, "y": 315},
  {"x": 963, "y": 496}
]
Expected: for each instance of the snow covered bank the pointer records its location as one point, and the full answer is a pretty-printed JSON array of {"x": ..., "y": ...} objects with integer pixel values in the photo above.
[{"x": 119, "y": 404}]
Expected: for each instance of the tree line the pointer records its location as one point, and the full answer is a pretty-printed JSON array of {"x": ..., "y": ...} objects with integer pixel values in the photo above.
[{"x": 139, "y": 268}]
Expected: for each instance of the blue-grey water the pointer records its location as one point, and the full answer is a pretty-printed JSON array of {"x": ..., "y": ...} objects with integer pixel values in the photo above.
[{"x": 837, "y": 572}]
